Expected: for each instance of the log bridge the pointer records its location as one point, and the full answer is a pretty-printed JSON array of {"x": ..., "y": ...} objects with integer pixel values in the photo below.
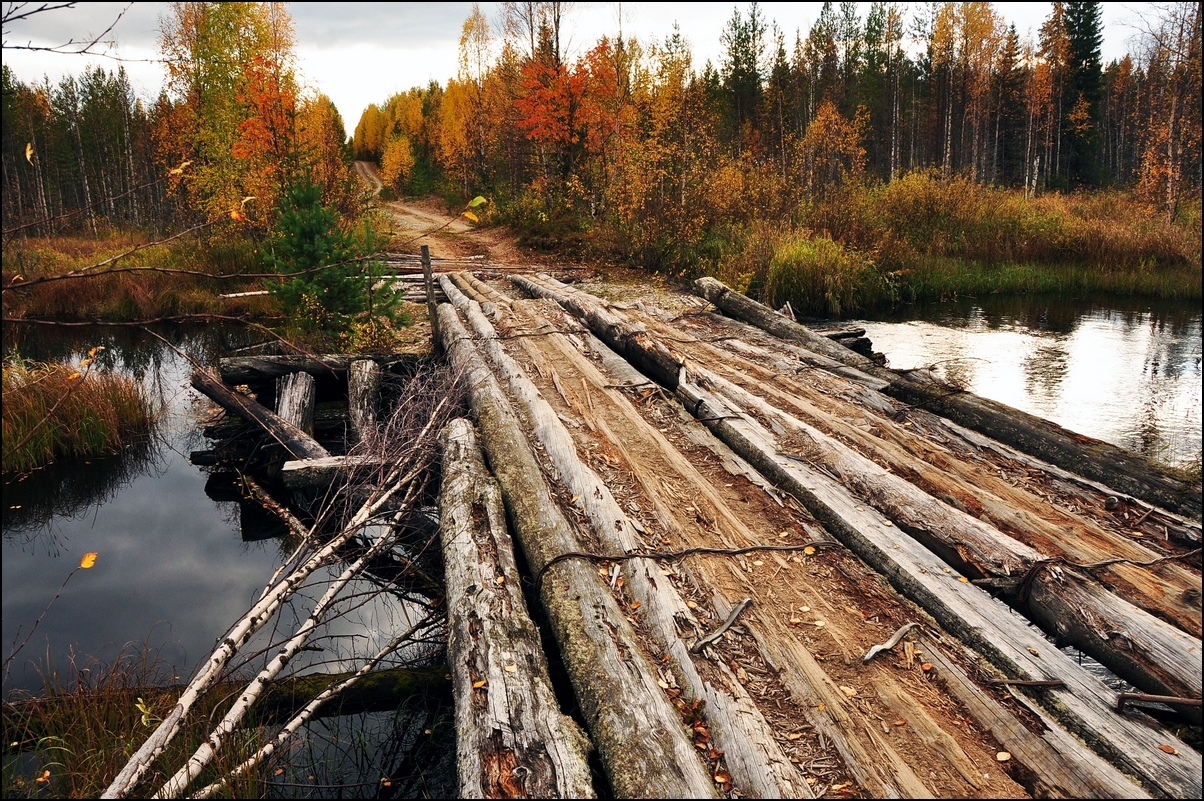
[{"x": 769, "y": 566}]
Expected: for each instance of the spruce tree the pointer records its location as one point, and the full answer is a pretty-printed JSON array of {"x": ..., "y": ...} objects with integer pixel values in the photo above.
[{"x": 1084, "y": 28}]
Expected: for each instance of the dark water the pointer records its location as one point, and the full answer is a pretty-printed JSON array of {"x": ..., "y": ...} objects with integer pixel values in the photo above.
[
  {"x": 172, "y": 569},
  {"x": 175, "y": 570},
  {"x": 1124, "y": 372}
]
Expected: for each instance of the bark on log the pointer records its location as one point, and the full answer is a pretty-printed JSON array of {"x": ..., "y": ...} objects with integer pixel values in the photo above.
[
  {"x": 511, "y": 738},
  {"x": 1124, "y": 470},
  {"x": 296, "y": 394},
  {"x": 294, "y": 440},
  {"x": 753, "y": 757},
  {"x": 638, "y": 734},
  {"x": 363, "y": 394},
  {"x": 971, "y": 617}
]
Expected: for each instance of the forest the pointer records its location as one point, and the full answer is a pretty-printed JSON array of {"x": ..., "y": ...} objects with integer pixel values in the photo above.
[{"x": 877, "y": 148}]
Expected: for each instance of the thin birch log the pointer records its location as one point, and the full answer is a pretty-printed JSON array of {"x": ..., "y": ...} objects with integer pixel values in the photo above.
[
  {"x": 294, "y": 440},
  {"x": 251, "y": 622},
  {"x": 639, "y": 735},
  {"x": 753, "y": 757},
  {"x": 296, "y": 394},
  {"x": 310, "y": 710},
  {"x": 511, "y": 738},
  {"x": 1128, "y": 472},
  {"x": 208, "y": 749},
  {"x": 363, "y": 395}
]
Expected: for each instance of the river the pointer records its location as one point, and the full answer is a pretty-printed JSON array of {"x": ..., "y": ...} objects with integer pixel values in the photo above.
[{"x": 1124, "y": 371}]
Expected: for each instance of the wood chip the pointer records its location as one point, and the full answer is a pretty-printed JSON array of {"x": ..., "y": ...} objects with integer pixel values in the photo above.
[
  {"x": 847, "y": 690},
  {"x": 1002, "y": 756},
  {"x": 511, "y": 668}
]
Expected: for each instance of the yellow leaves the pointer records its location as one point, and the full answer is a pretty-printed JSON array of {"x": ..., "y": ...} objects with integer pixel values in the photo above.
[
  {"x": 148, "y": 714},
  {"x": 88, "y": 560},
  {"x": 809, "y": 550},
  {"x": 237, "y": 215},
  {"x": 635, "y": 605},
  {"x": 470, "y": 216},
  {"x": 963, "y": 579},
  {"x": 75, "y": 375},
  {"x": 29, "y": 152},
  {"x": 476, "y": 685},
  {"x": 93, "y": 351},
  {"x": 1033, "y": 651}
]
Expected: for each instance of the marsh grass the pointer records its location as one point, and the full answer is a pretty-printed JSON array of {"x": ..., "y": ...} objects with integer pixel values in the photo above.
[
  {"x": 136, "y": 295},
  {"x": 53, "y": 410},
  {"x": 821, "y": 277},
  {"x": 71, "y": 739}
]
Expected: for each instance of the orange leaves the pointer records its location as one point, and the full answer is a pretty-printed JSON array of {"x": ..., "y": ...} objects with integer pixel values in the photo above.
[
  {"x": 550, "y": 105},
  {"x": 88, "y": 560}
]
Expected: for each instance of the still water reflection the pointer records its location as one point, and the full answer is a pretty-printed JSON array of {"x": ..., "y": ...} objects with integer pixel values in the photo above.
[
  {"x": 1125, "y": 372},
  {"x": 172, "y": 571}
]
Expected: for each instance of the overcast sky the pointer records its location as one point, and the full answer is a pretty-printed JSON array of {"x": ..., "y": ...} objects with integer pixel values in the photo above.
[{"x": 361, "y": 53}]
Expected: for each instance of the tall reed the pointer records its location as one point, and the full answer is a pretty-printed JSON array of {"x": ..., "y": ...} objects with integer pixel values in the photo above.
[{"x": 55, "y": 410}]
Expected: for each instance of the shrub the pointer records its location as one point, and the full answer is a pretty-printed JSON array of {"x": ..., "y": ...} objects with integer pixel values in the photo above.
[{"x": 821, "y": 277}]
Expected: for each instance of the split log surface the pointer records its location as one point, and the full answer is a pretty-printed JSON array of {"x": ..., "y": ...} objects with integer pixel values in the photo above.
[
  {"x": 754, "y": 759},
  {"x": 638, "y": 734},
  {"x": 296, "y": 395},
  {"x": 363, "y": 395},
  {"x": 294, "y": 440},
  {"x": 919, "y": 574},
  {"x": 511, "y": 738},
  {"x": 1128, "y": 472}
]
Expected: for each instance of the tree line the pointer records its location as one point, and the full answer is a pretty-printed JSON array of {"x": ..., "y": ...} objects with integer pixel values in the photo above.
[
  {"x": 225, "y": 138},
  {"x": 636, "y": 132}
]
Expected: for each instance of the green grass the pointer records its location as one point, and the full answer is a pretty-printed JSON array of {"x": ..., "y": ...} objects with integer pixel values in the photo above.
[{"x": 53, "y": 411}]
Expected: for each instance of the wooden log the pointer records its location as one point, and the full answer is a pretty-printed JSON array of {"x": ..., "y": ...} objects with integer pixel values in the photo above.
[
  {"x": 1137, "y": 646},
  {"x": 915, "y": 571},
  {"x": 429, "y": 283},
  {"x": 1058, "y": 764},
  {"x": 324, "y": 471},
  {"x": 754, "y": 758},
  {"x": 363, "y": 395},
  {"x": 1085, "y": 706},
  {"x": 638, "y": 734},
  {"x": 294, "y": 440},
  {"x": 263, "y": 369},
  {"x": 296, "y": 394},
  {"x": 511, "y": 738},
  {"x": 1124, "y": 470}
]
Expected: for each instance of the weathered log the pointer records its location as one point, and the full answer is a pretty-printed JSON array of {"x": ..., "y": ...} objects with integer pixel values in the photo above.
[
  {"x": 754, "y": 759},
  {"x": 909, "y": 567},
  {"x": 324, "y": 471},
  {"x": 1059, "y": 765},
  {"x": 1137, "y": 646},
  {"x": 511, "y": 738},
  {"x": 363, "y": 394},
  {"x": 262, "y": 369},
  {"x": 1128, "y": 472},
  {"x": 1085, "y": 706},
  {"x": 294, "y": 440},
  {"x": 638, "y": 734},
  {"x": 296, "y": 394}
]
